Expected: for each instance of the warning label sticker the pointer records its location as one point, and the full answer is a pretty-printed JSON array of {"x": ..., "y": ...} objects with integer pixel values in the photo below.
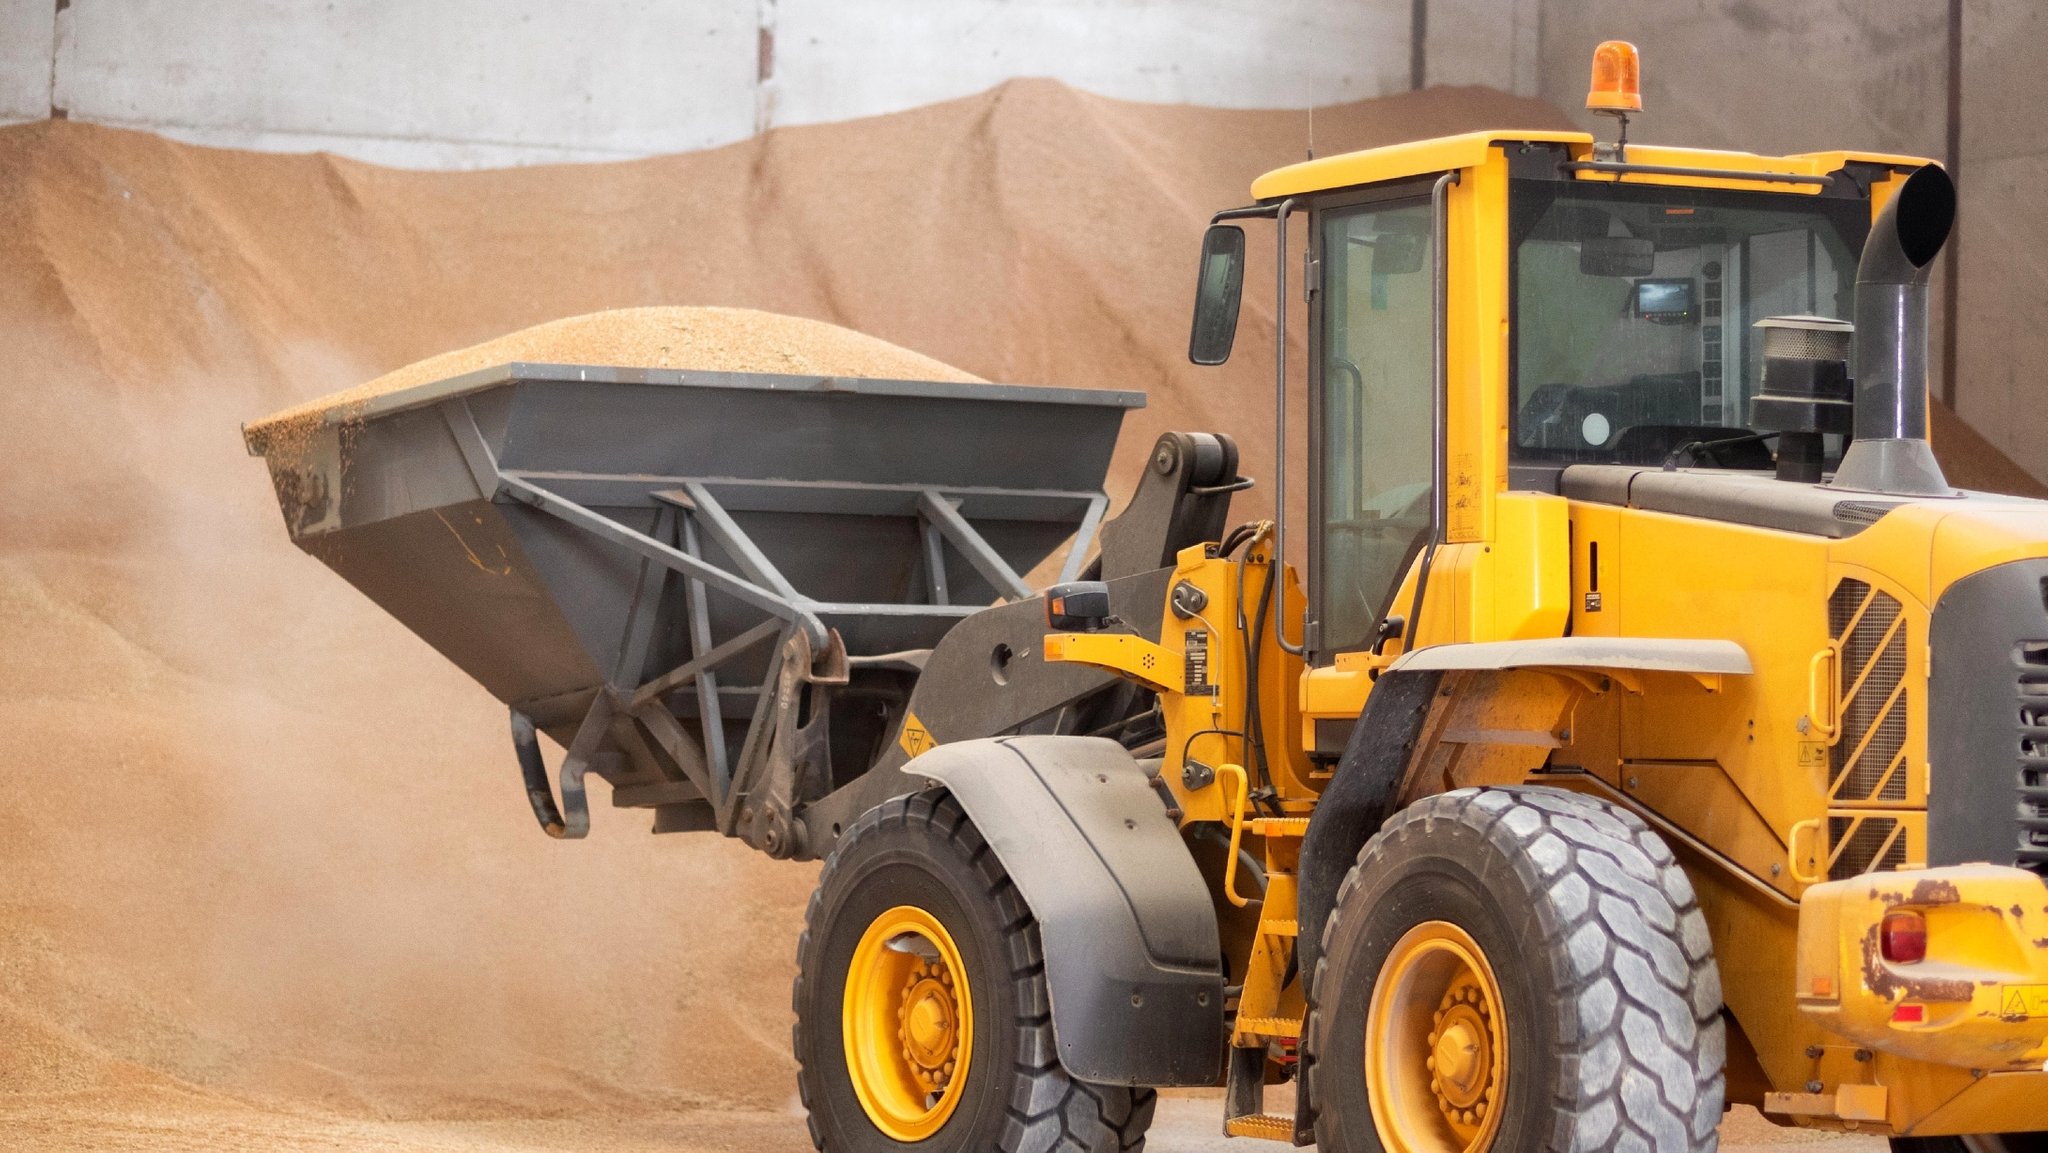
[
  {"x": 916, "y": 738},
  {"x": 2016, "y": 1002}
]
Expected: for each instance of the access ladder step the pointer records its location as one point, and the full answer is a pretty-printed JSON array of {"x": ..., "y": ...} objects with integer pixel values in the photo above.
[
  {"x": 1265, "y": 1126},
  {"x": 1273, "y": 1028},
  {"x": 1280, "y": 927},
  {"x": 1280, "y": 826}
]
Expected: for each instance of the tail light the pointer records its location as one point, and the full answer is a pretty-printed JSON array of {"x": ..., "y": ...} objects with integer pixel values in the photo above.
[{"x": 1902, "y": 937}]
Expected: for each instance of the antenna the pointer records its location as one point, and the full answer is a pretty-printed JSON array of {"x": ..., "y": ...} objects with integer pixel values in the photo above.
[{"x": 1311, "y": 127}]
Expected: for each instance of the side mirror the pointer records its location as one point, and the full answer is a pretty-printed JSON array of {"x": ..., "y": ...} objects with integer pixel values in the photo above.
[
  {"x": 1219, "y": 289},
  {"x": 1616, "y": 256}
]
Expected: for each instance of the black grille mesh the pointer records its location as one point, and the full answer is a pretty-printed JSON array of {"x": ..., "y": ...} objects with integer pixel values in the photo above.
[
  {"x": 1867, "y": 763},
  {"x": 1861, "y": 844},
  {"x": 2030, "y": 661}
]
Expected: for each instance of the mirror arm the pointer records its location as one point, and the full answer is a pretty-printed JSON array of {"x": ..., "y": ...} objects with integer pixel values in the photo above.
[{"x": 1249, "y": 212}]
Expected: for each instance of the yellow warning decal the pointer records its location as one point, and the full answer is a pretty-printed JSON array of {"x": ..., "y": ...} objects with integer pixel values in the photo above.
[
  {"x": 1812, "y": 754},
  {"x": 915, "y": 738},
  {"x": 2020, "y": 1001}
]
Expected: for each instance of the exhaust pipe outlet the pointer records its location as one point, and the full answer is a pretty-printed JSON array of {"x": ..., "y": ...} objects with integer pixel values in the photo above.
[{"x": 1890, "y": 453}]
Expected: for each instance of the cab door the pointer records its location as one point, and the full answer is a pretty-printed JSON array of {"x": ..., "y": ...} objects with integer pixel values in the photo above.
[{"x": 1372, "y": 278}]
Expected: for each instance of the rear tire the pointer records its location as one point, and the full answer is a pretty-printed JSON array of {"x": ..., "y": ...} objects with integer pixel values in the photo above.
[
  {"x": 918, "y": 861},
  {"x": 1520, "y": 969}
]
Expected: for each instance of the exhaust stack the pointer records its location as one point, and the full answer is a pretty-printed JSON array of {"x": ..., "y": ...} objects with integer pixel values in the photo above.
[{"x": 1890, "y": 453}]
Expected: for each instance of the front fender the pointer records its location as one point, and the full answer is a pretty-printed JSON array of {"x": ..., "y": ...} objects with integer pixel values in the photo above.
[{"x": 1133, "y": 962}]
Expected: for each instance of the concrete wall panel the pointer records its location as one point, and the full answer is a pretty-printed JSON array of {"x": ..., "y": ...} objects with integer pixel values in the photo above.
[
  {"x": 2005, "y": 79},
  {"x": 2002, "y": 347},
  {"x": 1765, "y": 77},
  {"x": 841, "y": 58},
  {"x": 593, "y": 79},
  {"x": 2002, "y": 224},
  {"x": 27, "y": 31},
  {"x": 1491, "y": 42}
]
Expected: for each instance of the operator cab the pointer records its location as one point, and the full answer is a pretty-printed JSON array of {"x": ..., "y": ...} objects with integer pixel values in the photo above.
[{"x": 1489, "y": 310}]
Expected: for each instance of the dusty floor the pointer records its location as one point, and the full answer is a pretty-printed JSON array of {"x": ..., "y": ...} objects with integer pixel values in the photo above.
[{"x": 1184, "y": 1125}]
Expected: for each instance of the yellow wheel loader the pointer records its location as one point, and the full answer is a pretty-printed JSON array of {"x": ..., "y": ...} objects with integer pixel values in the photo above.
[{"x": 1651, "y": 728}]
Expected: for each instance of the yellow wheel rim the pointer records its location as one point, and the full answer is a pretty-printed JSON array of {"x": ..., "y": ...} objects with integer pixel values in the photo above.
[
  {"x": 1436, "y": 1055},
  {"x": 908, "y": 1024}
]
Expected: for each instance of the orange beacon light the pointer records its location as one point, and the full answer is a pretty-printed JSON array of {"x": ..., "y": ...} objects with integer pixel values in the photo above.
[{"x": 1617, "y": 87}]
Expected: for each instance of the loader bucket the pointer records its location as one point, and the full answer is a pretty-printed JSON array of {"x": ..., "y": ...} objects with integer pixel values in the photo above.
[{"x": 556, "y": 530}]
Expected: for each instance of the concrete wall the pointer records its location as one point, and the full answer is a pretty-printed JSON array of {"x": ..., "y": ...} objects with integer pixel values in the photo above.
[
  {"x": 841, "y": 58},
  {"x": 2002, "y": 289},
  {"x": 448, "y": 83},
  {"x": 474, "y": 82},
  {"x": 27, "y": 40},
  {"x": 1765, "y": 77}
]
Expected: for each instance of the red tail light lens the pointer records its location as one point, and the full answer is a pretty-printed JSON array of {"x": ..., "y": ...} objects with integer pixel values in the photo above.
[{"x": 1902, "y": 937}]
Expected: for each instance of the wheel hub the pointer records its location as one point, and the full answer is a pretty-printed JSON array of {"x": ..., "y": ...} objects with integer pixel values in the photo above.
[
  {"x": 928, "y": 1032},
  {"x": 1461, "y": 1056}
]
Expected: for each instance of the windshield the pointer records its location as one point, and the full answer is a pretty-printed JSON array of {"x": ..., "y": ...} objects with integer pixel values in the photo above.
[{"x": 1633, "y": 306}]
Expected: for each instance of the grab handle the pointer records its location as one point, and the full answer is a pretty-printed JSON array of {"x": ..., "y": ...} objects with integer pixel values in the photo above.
[
  {"x": 1821, "y": 675},
  {"x": 1799, "y": 833},
  {"x": 1244, "y": 789}
]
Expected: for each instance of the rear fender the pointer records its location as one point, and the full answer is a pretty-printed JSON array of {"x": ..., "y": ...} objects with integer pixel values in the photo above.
[{"x": 1133, "y": 963}]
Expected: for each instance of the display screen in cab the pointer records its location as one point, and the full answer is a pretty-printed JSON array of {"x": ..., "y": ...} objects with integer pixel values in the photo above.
[{"x": 1664, "y": 299}]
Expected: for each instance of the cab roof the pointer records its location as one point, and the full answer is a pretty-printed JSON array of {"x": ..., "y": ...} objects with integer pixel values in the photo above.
[{"x": 1445, "y": 153}]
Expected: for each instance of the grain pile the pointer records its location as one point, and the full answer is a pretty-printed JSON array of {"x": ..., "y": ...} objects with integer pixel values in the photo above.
[
  {"x": 269, "y": 878},
  {"x": 704, "y": 339}
]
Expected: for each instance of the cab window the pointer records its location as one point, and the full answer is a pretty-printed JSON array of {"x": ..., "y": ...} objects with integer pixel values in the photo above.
[
  {"x": 1375, "y": 413},
  {"x": 1633, "y": 305}
]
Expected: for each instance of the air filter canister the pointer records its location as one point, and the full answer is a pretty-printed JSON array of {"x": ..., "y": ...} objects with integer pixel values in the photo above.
[{"x": 1806, "y": 389}]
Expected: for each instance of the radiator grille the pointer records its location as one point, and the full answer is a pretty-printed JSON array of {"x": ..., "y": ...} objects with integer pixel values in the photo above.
[
  {"x": 1861, "y": 844},
  {"x": 2030, "y": 661},
  {"x": 1868, "y": 760}
]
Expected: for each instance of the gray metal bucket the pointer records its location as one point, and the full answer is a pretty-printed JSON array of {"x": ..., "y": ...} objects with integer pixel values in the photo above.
[{"x": 557, "y": 529}]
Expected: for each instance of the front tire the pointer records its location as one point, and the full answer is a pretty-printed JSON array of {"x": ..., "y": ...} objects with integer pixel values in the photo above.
[
  {"x": 1515, "y": 969},
  {"x": 922, "y": 1014}
]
